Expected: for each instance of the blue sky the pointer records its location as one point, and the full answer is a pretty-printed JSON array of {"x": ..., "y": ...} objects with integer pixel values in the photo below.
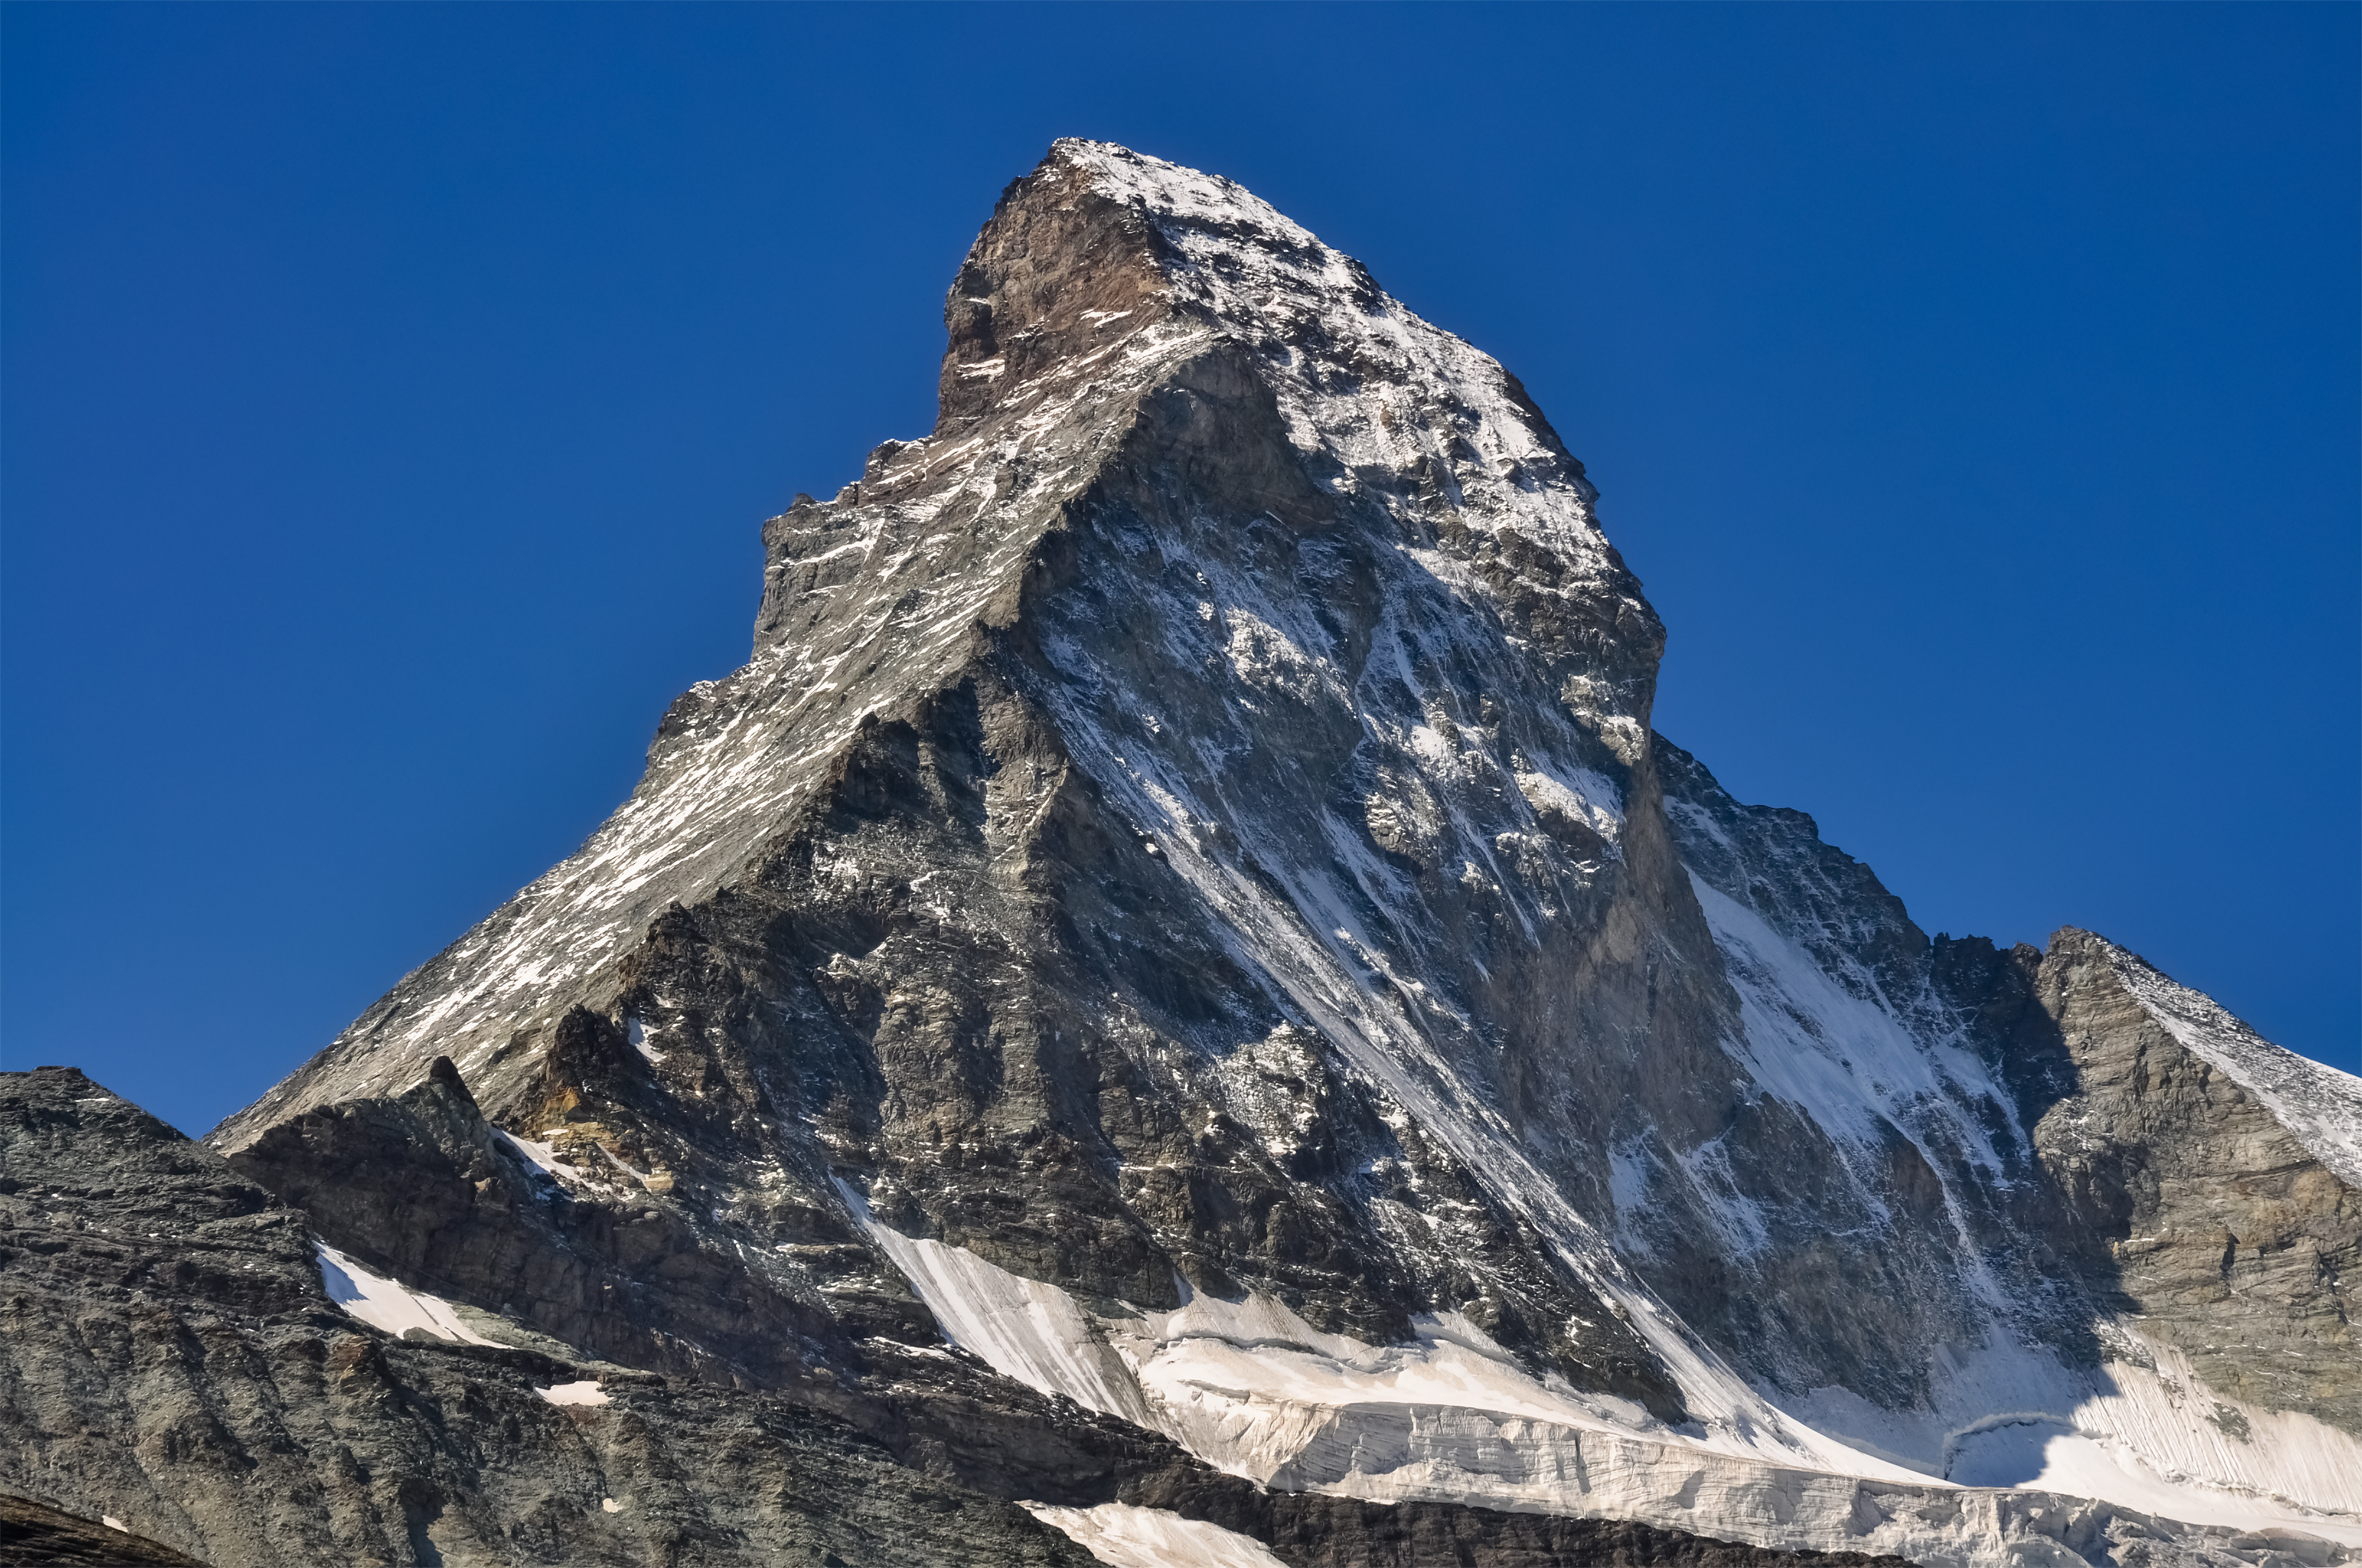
[{"x": 390, "y": 398}]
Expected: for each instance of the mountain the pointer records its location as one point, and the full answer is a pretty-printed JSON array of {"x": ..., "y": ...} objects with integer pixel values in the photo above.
[{"x": 1179, "y": 987}]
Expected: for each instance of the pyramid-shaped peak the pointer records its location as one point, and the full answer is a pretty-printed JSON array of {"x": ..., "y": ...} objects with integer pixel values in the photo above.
[
  {"x": 1133, "y": 345},
  {"x": 1104, "y": 263},
  {"x": 1203, "y": 244}
]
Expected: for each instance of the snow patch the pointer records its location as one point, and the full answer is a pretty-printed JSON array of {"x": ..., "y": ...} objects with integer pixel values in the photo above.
[
  {"x": 2142, "y": 1431},
  {"x": 1576, "y": 793},
  {"x": 585, "y": 1392},
  {"x": 2194, "y": 1454},
  {"x": 637, "y": 1032},
  {"x": 1245, "y": 1393},
  {"x": 1253, "y": 1389},
  {"x": 1842, "y": 1060},
  {"x": 388, "y": 1304},
  {"x": 1123, "y": 1536},
  {"x": 1022, "y": 1328},
  {"x": 543, "y": 1157}
]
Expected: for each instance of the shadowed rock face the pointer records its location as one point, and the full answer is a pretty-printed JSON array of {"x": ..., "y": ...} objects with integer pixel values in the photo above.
[
  {"x": 1912, "y": 1175},
  {"x": 2142, "y": 1167},
  {"x": 2230, "y": 1239},
  {"x": 1189, "y": 835},
  {"x": 33, "y": 1534}
]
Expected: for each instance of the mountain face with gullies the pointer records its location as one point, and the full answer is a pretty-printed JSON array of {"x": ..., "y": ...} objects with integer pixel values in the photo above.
[{"x": 1178, "y": 987}]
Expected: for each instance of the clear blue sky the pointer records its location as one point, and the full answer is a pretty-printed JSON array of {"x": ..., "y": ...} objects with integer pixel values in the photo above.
[{"x": 392, "y": 396}]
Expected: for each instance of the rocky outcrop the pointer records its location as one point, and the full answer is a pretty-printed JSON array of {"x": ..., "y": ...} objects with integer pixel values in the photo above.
[
  {"x": 171, "y": 1360},
  {"x": 2228, "y": 1239},
  {"x": 1349, "y": 1532},
  {"x": 422, "y": 1188},
  {"x": 33, "y": 1535}
]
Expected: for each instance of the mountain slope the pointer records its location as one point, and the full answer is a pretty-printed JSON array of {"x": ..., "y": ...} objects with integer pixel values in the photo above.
[
  {"x": 184, "y": 1363},
  {"x": 1185, "y": 900},
  {"x": 2127, "y": 1133}
]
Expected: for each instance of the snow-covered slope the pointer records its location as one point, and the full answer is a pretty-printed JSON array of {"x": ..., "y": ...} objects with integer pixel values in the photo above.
[
  {"x": 391, "y": 1305},
  {"x": 2032, "y": 1084},
  {"x": 1123, "y": 1535},
  {"x": 2320, "y": 1106},
  {"x": 1253, "y": 1389}
]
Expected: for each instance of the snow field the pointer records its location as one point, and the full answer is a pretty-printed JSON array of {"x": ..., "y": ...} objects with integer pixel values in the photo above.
[
  {"x": 1251, "y": 1388},
  {"x": 389, "y": 1304},
  {"x": 1122, "y": 1536}
]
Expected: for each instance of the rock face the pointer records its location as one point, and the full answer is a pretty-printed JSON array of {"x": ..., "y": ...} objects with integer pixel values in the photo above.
[
  {"x": 2223, "y": 1177},
  {"x": 32, "y": 1534},
  {"x": 2093, "y": 1134},
  {"x": 1230, "y": 607},
  {"x": 175, "y": 1362},
  {"x": 1184, "y": 900}
]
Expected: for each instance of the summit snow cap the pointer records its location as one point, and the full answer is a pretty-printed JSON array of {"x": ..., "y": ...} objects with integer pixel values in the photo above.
[
  {"x": 1178, "y": 257},
  {"x": 1172, "y": 192}
]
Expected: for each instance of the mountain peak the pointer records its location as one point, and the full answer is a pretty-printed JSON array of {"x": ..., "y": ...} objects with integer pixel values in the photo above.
[
  {"x": 1125, "y": 336},
  {"x": 1104, "y": 260},
  {"x": 1175, "y": 191},
  {"x": 1185, "y": 880}
]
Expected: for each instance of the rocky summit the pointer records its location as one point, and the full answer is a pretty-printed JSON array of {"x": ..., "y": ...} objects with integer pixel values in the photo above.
[{"x": 1176, "y": 1011}]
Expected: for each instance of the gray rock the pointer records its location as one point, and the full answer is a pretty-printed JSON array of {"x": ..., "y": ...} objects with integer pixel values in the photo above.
[
  {"x": 2138, "y": 1181},
  {"x": 905, "y": 922},
  {"x": 172, "y": 1359},
  {"x": 31, "y": 1534},
  {"x": 2225, "y": 1235}
]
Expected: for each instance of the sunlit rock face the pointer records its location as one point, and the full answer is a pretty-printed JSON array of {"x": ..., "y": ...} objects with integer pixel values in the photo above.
[{"x": 1185, "y": 899}]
